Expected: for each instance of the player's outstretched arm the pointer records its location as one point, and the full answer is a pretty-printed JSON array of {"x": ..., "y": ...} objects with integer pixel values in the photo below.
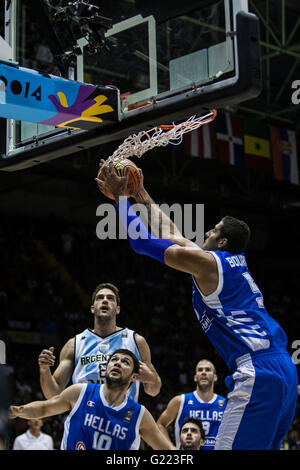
[
  {"x": 151, "y": 434},
  {"x": 180, "y": 254},
  {"x": 52, "y": 385},
  {"x": 147, "y": 375},
  {"x": 41, "y": 409},
  {"x": 190, "y": 259},
  {"x": 161, "y": 226},
  {"x": 169, "y": 415}
]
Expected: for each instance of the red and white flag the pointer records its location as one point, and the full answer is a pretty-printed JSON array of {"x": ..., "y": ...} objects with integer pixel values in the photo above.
[
  {"x": 230, "y": 139},
  {"x": 201, "y": 142}
]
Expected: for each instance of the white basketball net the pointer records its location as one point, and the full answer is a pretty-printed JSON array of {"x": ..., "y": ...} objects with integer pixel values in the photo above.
[{"x": 160, "y": 136}]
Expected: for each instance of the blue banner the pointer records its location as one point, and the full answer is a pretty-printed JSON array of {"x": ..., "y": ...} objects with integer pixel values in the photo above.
[{"x": 32, "y": 97}]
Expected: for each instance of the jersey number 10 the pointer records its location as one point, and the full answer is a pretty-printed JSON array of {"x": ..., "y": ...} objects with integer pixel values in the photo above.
[{"x": 101, "y": 443}]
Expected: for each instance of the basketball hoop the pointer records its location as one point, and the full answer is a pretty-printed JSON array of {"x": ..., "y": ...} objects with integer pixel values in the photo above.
[{"x": 137, "y": 144}]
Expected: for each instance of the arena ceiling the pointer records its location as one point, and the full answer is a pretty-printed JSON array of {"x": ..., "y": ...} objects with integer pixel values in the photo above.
[
  {"x": 280, "y": 56},
  {"x": 280, "y": 48}
]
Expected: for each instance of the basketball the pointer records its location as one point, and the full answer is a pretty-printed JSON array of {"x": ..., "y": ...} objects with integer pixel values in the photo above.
[{"x": 133, "y": 178}]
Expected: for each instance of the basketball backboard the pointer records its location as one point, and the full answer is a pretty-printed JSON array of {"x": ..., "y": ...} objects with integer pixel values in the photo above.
[{"x": 166, "y": 67}]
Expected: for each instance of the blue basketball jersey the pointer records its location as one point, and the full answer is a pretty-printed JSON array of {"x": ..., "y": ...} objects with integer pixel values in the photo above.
[
  {"x": 234, "y": 316},
  {"x": 93, "y": 425},
  {"x": 210, "y": 414},
  {"x": 92, "y": 353}
]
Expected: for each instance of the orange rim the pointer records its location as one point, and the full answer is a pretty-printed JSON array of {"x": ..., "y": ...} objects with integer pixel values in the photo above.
[{"x": 166, "y": 127}]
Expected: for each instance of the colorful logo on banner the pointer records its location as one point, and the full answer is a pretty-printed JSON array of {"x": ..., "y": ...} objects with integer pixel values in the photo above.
[{"x": 32, "y": 97}]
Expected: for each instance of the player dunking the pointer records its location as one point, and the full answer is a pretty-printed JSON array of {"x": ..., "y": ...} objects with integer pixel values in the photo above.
[
  {"x": 230, "y": 308},
  {"x": 102, "y": 417},
  {"x": 84, "y": 357}
]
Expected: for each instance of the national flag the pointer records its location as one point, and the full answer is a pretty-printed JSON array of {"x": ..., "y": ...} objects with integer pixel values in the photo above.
[
  {"x": 201, "y": 142},
  {"x": 284, "y": 154},
  {"x": 230, "y": 139},
  {"x": 257, "y": 146}
]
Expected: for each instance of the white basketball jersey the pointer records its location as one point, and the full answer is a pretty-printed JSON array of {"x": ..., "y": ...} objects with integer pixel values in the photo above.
[{"x": 92, "y": 353}]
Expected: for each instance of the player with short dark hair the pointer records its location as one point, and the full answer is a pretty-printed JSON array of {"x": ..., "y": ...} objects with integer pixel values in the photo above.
[
  {"x": 136, "y": 364},
  {"x": 192, "y": 434},
  {"x": 230, "y": 308},
  {"x": 84, "y": 357},
  {"x": 102, "y": 417},
  {"x": 237, "y": 234},
  {"x": 107, "y": 285}
]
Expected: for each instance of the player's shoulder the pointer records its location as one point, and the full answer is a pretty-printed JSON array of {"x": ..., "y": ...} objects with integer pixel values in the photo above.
[
  {"x": 71, "y": 343},
  {"x": 131, "y": 402},
  {"x": 195, "y": 252},
  {"x": 188, "y": 395},
  {"x": 124, "y": 331},
  {"x": 140, "y": 340},
  {"x": 230, "y": 259},
  {"x": 68, "y": 348},
  {"x": 75, "y": 391},
  {"x": 176, "y": 400},
  {"x": 132, "y": 405},
  {"x": 220, "y": 401},
  {"x": 220, "y": 398},
  {"x": 137, "y": 336},
  {"x": 83, "y": 334}
]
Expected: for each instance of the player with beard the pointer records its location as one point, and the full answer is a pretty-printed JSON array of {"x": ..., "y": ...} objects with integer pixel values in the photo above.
[
  {"x": 102, "y": 417},
  {"x": 84, "y": 357},
  {"x": 230, "y": 309},
  {"x": 192, "y": 434},
  {"x": 203, "y": 403}
]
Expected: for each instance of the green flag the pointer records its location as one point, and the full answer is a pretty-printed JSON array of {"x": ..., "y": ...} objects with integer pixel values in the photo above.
[{"x": 257, "y": 145}]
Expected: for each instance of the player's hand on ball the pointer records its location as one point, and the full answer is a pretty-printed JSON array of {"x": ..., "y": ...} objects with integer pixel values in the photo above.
[
  {"x": 46, "y": 359},
  {"x": 111, "y": 182},
  {"x": 15, "y": 411},
  {"x": 140, "y": 188}
]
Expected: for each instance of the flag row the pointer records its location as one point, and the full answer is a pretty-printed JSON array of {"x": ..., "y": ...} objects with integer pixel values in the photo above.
[{"x": 247, "y": 143}]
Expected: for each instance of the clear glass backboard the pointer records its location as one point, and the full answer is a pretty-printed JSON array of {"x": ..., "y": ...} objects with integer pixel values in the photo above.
[{"x": 159, "y": 68}]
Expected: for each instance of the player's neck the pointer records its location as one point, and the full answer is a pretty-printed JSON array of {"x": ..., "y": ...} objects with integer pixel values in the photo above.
[
  {"x": 205, "y": 395},
  {"x": 103, "y": 329},
  {"x": 114, "y": 397}
]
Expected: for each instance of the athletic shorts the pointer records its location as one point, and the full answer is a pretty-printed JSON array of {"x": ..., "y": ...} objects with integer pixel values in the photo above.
[{"x": 261, "y": 402}]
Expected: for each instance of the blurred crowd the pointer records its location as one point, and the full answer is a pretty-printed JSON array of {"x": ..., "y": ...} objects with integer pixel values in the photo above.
[{"x": 49, "y": 271}]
